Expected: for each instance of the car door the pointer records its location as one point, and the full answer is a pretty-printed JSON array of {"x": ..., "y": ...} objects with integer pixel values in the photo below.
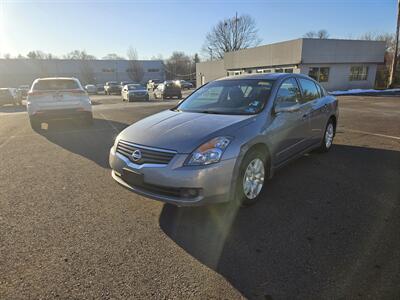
[
  {"x": 316, "y": 109},
  {"x": 289, "y": 129}
]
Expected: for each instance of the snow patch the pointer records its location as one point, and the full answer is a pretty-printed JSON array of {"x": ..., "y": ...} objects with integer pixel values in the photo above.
[{"x": 361, "y": 91}]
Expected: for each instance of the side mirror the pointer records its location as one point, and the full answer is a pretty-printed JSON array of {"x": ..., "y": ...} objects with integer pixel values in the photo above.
[{"x": 287, "y": 109}]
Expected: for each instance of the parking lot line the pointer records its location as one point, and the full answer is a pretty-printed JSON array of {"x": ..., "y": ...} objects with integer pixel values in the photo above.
[
  {"x": 109, "y": 123},
  {"x": 374, "y": 134}
]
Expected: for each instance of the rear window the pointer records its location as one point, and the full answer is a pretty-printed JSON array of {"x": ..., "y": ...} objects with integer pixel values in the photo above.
[
  {"x": 56, "y": 85},
  {"x": 310, "y": 91}
]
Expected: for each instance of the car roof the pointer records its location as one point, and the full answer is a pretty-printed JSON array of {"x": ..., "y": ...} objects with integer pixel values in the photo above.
[
  {"x": 263, "y": 76},
  {"x": 58, "y": 78}
]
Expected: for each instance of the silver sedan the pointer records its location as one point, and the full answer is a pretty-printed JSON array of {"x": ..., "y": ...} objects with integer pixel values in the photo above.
[{"x": 225, "y": 140}]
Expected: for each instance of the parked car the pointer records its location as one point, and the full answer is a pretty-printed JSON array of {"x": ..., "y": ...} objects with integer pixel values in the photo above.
[
  {"x": 153, "y": 83},
  {"x": 168, "y": 89},
  {"x": 224, "y": 140},
  {"x": 91, "y": 89},
  {"x": 58, "y": 98},
  {"x": 112, "y": 87},
  {"x": 6, "y": 97},
  {"x": 134, "y": 91},
  {"x": 100, "y": 87},
  {"x": 186, "y": 84},
  {"x": 22, "y": 93}
]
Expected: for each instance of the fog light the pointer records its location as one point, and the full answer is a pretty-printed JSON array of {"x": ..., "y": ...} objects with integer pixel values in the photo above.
[{"x": 189, "y": 193}]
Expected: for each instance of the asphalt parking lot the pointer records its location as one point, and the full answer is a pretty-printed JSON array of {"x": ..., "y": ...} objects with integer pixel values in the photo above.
[{"x": 328, "y": 226}]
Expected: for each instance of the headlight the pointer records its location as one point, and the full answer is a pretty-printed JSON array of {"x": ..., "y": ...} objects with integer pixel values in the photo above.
[{"x": 210, "y": 152}]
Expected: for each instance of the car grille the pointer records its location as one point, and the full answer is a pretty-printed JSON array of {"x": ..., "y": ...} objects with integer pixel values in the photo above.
[
  {"x": 148, "y": 155},
  {"x": 139, "y": 94}
]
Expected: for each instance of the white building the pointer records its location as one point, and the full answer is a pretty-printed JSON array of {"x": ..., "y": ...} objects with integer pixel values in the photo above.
[
  {"x": 336, "y": 64},
  {"x": 14, "y": 72}
]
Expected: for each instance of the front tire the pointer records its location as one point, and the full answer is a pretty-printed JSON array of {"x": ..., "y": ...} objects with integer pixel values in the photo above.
[{"x": 251, "y": 178}]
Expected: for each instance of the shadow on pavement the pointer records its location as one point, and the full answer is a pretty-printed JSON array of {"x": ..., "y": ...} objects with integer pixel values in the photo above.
[
  {"x": 93, "y": 142},
  {"x": 325, "y": 228}
]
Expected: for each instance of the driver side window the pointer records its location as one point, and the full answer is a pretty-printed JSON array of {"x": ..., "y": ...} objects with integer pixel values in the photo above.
[{"x": 288, "y": 93}]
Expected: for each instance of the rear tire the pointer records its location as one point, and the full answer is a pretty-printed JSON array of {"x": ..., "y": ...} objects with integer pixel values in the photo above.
[
  {"x": 251, "y": 179},
  {"x": 327, "y": 140},
  {"x": 35, "y": 124}
]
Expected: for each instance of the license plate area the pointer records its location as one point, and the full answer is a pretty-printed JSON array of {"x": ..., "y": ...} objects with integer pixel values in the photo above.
[{"x": 132, "y": 178}]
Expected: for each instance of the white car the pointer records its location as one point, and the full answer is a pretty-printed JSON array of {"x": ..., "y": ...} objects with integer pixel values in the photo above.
[
  {"x": 91, "y": 89},
  {"x": 134, "y": 91},
  {"x": 58, "y": 98}
]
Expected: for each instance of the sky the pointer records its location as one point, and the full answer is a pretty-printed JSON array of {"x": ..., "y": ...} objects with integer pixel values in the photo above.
[{"x": 160, "y": 27}]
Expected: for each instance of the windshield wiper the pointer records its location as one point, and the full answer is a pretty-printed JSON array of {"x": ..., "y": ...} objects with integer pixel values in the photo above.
[{"x": 210, "y": 112}]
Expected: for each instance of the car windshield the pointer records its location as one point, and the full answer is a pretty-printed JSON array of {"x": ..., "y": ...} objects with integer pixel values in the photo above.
[
  {"x": 111, "y": 83},
  {"x": 135, "y": 87},
  {"x": 229, "y": 97},
  {"x": 56, "y": 85}
]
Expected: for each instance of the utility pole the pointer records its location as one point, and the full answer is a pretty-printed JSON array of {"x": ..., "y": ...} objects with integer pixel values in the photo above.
[
  {"x": 396, "y": 49},
  {"x": 236, "y": 33}
]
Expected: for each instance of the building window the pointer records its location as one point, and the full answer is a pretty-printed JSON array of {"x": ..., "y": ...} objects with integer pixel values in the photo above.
[
  {"x": 358, "y": 73},
  {"x": 153, "y": 70},
  {"x": 319, "y": 74},
  {"x": 279, "y": 70},
  {"x": 289, "y": 70}
]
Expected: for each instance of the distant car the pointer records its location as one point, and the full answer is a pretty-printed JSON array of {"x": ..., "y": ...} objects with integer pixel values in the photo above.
[
  {"x": 22, "y": 93},
  {"x": 168, "y": 89},
  {"x": 134, "y": 91},
  {"x": 91, "y": 89},
  {"x": 186, "y": 84},
  {"x": 112, "y": 87},
  {"x": 58, "y": 98},
  {"x": 6, "y": 96}
]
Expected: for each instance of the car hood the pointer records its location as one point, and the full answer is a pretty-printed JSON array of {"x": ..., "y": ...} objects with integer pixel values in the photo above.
[{"x": 182, "y": 131}]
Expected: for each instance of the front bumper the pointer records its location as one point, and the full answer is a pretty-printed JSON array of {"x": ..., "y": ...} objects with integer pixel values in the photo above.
[{"x": 210, "y": 184}]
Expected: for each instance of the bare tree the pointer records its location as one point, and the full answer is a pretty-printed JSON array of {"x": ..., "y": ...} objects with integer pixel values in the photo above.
[
  {"x": 320, "y": 34},
  {"x": 231, "y": 34},
  {"x": 79, "y": 55},
  {"x": 388, "y": 38},
  {"x": 113, "y": 56},
  {"x": 135, "y": 70},
  {"x": 38, "y": 54}
]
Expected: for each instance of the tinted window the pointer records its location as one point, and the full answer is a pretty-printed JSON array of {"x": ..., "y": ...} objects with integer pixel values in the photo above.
[
  {"x": 310, "y": 91},
  {"x": 229, "y": 97},
  {"x": 288, "y": 93},
  {"x": 56, "y": 85}
]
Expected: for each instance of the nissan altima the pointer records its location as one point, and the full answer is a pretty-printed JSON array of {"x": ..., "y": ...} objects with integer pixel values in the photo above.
[{"x": 225, "y": 140}]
